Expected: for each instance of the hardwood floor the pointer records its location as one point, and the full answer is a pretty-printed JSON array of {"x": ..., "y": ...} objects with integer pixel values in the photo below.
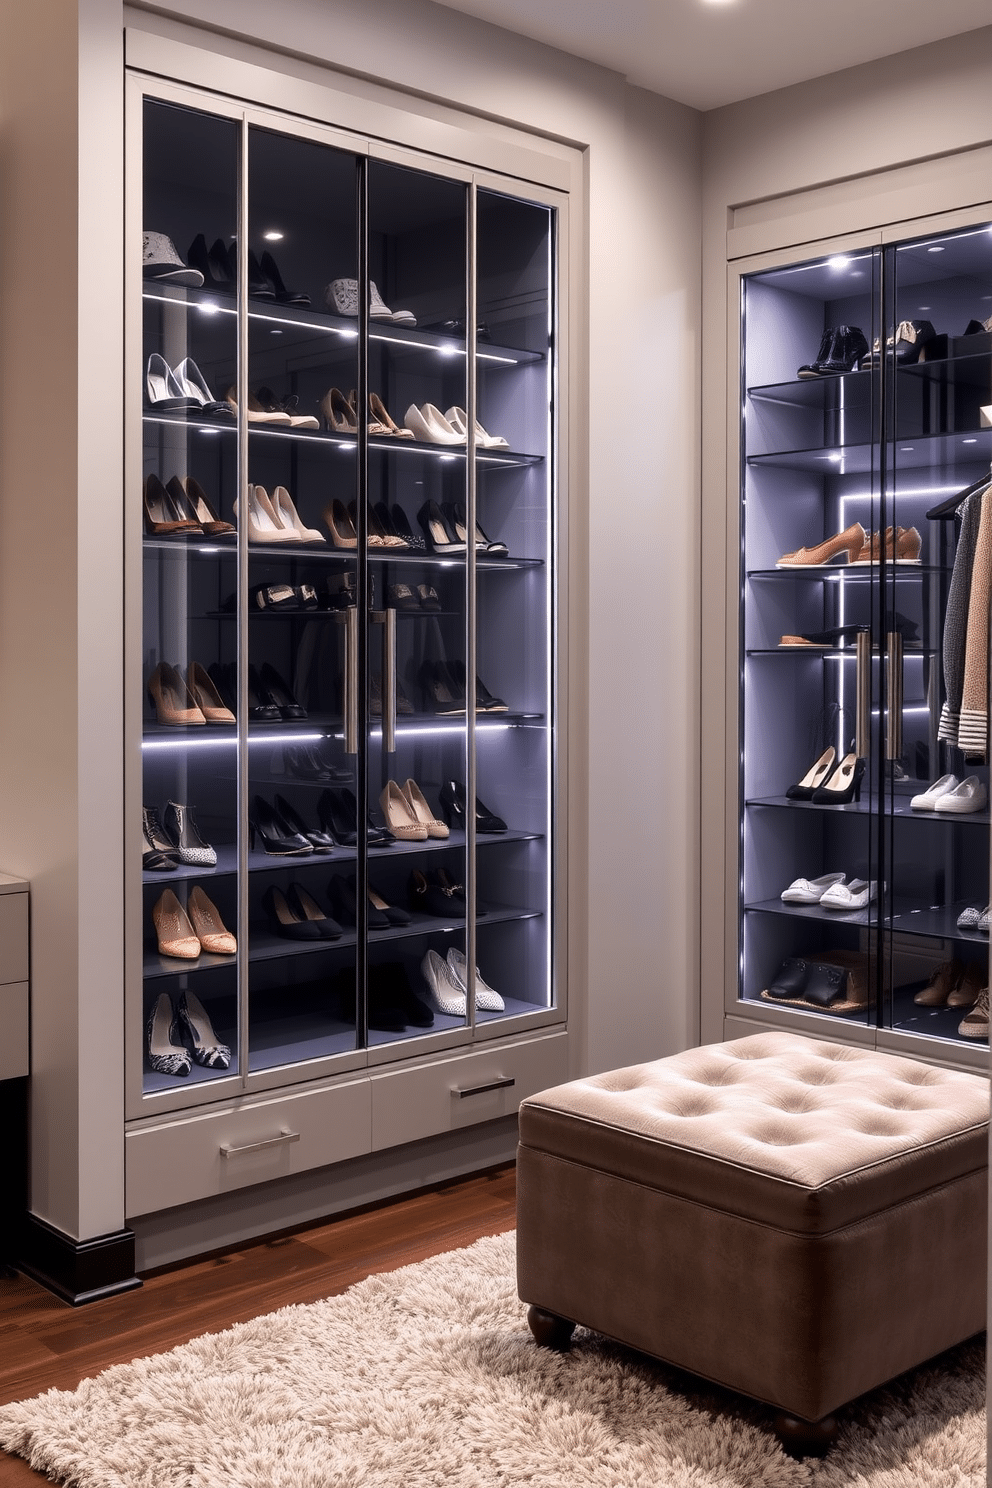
[{"x": 48, "y": 1344}]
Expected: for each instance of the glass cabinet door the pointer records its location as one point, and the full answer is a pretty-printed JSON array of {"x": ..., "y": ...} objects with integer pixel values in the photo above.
[
  {"x": 811, "y": 668},
  {"x": 939, "y": 371}
]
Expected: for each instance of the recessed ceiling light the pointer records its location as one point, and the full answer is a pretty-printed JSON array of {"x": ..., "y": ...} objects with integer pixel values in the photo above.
[
  {"x": 841, "y": 261},
  {"x": 935, "y": 249},
  {"x": 274, "y": 236}
]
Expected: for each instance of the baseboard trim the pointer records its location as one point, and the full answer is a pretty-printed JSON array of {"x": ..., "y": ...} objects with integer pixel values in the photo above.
[{"x": 78, "y": 1271}]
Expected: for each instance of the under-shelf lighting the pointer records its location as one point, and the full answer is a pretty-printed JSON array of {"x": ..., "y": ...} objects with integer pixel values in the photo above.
[
  {"x": 273, "y": 236},
  {"x": 840, "y": 261}
]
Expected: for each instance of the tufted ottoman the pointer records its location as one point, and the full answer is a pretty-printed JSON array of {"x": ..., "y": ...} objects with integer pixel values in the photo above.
[{"x": 797, "y": 1220}]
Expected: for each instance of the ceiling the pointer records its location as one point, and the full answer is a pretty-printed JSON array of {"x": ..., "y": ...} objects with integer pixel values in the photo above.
[{"x": 710, "y": 52}]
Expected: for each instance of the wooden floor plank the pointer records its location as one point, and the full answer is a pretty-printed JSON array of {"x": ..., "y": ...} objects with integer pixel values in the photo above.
[{"x": 49, "y": 1345}]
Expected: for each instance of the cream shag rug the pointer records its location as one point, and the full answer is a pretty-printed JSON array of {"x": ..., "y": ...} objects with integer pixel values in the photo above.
[{"x": 428, "y": 1378}]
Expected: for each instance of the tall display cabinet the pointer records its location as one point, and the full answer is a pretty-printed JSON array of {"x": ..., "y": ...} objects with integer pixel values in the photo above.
[
  {"x": 865, "y": 544},
  {"x": 343, "y": 475}
]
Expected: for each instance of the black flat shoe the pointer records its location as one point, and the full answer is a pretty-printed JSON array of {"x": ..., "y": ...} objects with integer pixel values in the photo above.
[
  {"x": 281, "y": 696},
  {"x": 276, "y": 836},
  {"x": 261, "y": 707},
  {"x": 321, "y": 842},
  {"x": 452, "y": 798},
  {"x": 285, "y": 920},
  {"x": 305, "y": 907},
  {"x": 283, "y": 295}
]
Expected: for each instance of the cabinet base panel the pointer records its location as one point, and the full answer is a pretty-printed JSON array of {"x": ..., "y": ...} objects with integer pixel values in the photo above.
[
  {"x": 78, "y": 1271},
  {"x": 229, "y": 1220}
]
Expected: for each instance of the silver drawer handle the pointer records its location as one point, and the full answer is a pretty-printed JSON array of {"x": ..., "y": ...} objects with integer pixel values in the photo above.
[
  {"x": 462, "y": 1090},
  {"x": 287, "y": 1136}
]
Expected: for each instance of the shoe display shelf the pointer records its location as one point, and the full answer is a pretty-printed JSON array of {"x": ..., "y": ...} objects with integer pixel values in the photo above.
[
  {"x": 852, "y": 481},
  {"x": 275, "y": 462}
]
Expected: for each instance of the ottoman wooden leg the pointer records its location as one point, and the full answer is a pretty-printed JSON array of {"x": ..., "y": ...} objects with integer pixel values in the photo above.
[
  {"x": 804, "y": 1438},
  {"x": 549, "y": 1330}
]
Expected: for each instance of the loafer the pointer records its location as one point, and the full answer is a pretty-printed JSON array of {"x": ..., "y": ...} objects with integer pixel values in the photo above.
[
  {"x": 927, "y": 800},
  {"x": 965, "y": 798},
  {"x": 857, "y": 894},
  {"x": 810, "y": 890}
]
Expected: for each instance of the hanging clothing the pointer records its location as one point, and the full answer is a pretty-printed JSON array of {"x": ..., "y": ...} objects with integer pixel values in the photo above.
[
  {"x": 956, "y": 619},
  {"x": 973, "y": 730}
]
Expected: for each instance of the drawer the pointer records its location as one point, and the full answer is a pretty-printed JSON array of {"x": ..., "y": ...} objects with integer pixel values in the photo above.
[
  {"x": 443, "y": 1094},
  {"x": 232, "y": 1147},
  {"x": 14, "y": 1056},
  {"x": 13, "y": 938}
]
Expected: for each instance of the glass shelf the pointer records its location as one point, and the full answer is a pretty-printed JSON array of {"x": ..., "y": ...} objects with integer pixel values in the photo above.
[{"x": 932, "y": 451}]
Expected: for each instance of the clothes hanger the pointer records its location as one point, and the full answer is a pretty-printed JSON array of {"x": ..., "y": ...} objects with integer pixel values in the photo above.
[{"x": 949, "y": 508}]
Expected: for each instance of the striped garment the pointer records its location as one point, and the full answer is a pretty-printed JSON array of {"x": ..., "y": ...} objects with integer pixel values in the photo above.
[
  {"x": 973, "y": 730},
  {"x": 956, "y": 619}
]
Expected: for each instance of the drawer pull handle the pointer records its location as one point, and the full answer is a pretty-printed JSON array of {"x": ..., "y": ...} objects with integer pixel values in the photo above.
[
  {"x": 226, "y": 1150},
  {"x": 462, "y": 1090}
]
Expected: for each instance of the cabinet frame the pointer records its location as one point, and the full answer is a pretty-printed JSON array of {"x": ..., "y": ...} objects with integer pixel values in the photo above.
[{"x": 140, "y": 1105}]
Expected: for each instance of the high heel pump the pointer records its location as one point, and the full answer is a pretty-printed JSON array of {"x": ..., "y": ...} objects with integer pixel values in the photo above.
[
  {"x": 441, "y": 536},
  {"x": 339, "y": 415},
  {"x": 195, "y": 1022},
  {"x": 204, "y": 693},
  {"x": 844, "y": 784},
  {"x": 285, "y": 921},
  {"x": 815, "y": 776},
  {"x": 191, "y": 501},
  {"x": 172, "y": 700},
  {"x": 277, "y": 837},
  {"x": 162, "y": 519},
  {"x": 453, "y": 803},
  {"x": 340, "y": 525},
  {"x": 282, "y": 505},
  {"x": 211, "y": 931}
]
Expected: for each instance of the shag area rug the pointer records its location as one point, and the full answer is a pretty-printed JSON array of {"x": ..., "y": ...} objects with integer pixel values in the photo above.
[{"x": 428, "y": 1378}]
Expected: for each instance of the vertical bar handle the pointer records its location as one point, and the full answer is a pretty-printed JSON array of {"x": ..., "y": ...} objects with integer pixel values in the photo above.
[
  {"x": 893, "y": 735},
  {"x": 351, "y": 680},
  {"x": 862, "y": 726},
  {"x": 389, "y": 681}
]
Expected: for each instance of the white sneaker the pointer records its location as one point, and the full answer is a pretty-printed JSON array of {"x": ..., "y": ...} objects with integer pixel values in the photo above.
[
  {"x": 854, "y": 895},
  {"x": 486, "y": 998},
  {"x": 446, "y": 995},
  {"x": 810, "y": 890},
  {"x": 969, "y": 796},
  {"x": 927, "y": 800}
]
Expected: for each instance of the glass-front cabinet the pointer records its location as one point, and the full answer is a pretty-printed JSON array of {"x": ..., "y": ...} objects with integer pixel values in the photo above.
[
  {"x": 346, "y": 424},
  {"x": 866, "y": 557}
]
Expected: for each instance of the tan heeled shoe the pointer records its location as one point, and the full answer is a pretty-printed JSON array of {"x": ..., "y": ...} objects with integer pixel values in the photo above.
[
  {"x": 851, "y": 541},
  {"x": 901, "y": 544},
  {"x": 174, "y": 705},
  {"x": 256, "y": 414},
  {"x": 380, "y": 413},
  {"x": 197, "y": 503},
  {"x": 210, "y": 929},
  {"x": 203, "y": 692},
  {"x": 400, "y": 816},
  {"x": 161, "y": 517},
  {"x": 422, "y": 812},
  {"x": 340, "y": 525},
  {"x": 339, "y": 415},
  {"x": 176, "y": 936}
]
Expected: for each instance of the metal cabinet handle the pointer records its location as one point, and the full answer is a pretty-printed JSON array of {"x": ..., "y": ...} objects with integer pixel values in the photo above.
[
  {"x": 226, "y": 1150},
  {"x": 351, "y": 680},
  {"x": 389, "y": 681},
  {"x": 862, "y": 725},
  {"x": 462, "y": 1090},
  {"x": 893, "y": 738}
]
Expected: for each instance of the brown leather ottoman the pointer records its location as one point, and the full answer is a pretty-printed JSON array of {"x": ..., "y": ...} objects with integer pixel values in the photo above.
[{"x": 797, "y": 1220}]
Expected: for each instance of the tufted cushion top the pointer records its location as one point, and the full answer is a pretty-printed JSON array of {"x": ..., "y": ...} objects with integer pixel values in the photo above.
[{"x": 783, "y": 1129}]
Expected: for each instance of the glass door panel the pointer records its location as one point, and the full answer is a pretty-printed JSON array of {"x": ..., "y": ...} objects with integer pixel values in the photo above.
[
  {"x": 515, "y": 559},
  {"x": 418, "y": 589},
  {"x": 189, "y": 559},
  {"x": 299, "y": 605},
  {"x": 939, "y": 366},
  {"x": 811, "y": 668}
]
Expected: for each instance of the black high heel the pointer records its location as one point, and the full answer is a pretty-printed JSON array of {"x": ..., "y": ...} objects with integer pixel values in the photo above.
[
  {"x": 485, "y": 702},
  {"x": 344, "y": 899},
  {"x": 283, "y": 295},
  {"x": 441, "y": 536},
  {"x": 817, "y": 774},
  {"x": 259, "y": 287},
  {"x": 452, "y": 798},
  {"x": 214, "y": 264},
  {"x": 402, "y": 528},
  {"x": 322, "y": 842},
  {"x": 456, "y": 514},
  {"x": 844, "y": 784},
  {"x": 284, "y": 918},
  {"x": 442, "y": 694},
  {"x": 277, "y": 836},
  {"x": 307, "y": 910},
  {"x": 281, "y": 696}
]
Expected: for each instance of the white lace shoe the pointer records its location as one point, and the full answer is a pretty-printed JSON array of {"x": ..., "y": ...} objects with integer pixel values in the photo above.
[
  {"x": 487, "y": 999},
  {"x": 810, "y": 890},
  {"x": 446, "y": 995},
  {"x": 969, "y": 796},
  {"x": 927, "y": 800},
  {"x": 854, "y": 895},
  {"x": 341, "y": 295},
  {"x": 159, "y": 260}
]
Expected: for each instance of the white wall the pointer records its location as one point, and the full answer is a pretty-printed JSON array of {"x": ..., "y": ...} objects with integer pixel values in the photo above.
[{"x": 635, "y": 550}]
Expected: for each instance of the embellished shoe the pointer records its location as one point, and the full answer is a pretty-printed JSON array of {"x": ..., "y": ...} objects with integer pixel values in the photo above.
[
  {"x": 207, "y": 1048},
  {"x": 173, "y": 931},
  {"x": 166, "y": 1055},
  {"x": 446, "y": 995},
  {"x": 487, "y": 999},
  {"x": 418, "y": 804},
  {"x": 401, "y": 817},
  {"x": 210, "y": 929},
  {"x": 190, "y": 846},
  {"x": 850, "y": 542}
]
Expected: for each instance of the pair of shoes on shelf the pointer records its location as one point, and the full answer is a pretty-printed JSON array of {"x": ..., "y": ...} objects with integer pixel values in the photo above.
[
  {"x": 954, "y": 984},
  {"x": 296, "y": 915},
  {"x": 829, "y": 784},
  {"x": 337, "y": 810},
  {"x": 841, "y": 348},
  {"x": 193, "y": 702},
  {"x": 430, "y": 426},
  {"x": 900, "y": 544},
  {"x": 278, "y": 599},
  {"x": 831, "y": 891},
  {"x": 341, "y": 415},
  {"x": 419, "y": 599},
  {"x": 179, "y": 1035},
  {"x": 172, "y": 840},
  {"x": 307, "y": 761},
  {"x": 950, "y": 795},
  {"x": 434, "y": 892},
  {"x": 821, "y": 640},
  {"x": 183, "y": 933},
  {"x": 832, "y": 981},
  {"x": 453, "y": 804},
  {"x": 181, "y": 508},
  {"x": 218, "y": 266},
  {"x": 974, "y": 919},
  {"x": 408, "y": 814},
  {"x": 264, "y": 407},
  {"x": 909, "y": 344},
  {"x": 274, "y": 519},
  {"x": 445, "y": 530},
  {"x": 161, "y": 263},
  {"x": 181, "y": 389},
  {"x": 848, "y": 544},
  {"x": 455, "y": 326},
  {"x": 283, "y": 833},
  {"x": 380, "y": 914},
  {"x": 447, "y": 979},
  {"x": 341, "y": 296}
]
